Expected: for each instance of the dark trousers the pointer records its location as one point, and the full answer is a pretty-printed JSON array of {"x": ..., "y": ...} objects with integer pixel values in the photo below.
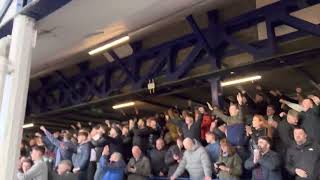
[
  {"x": 91, "y": 170},
  {"x": 82, "y": 175}
]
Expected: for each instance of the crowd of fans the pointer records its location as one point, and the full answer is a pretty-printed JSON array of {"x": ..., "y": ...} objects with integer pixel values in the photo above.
[{"x": 266, "y": 137}]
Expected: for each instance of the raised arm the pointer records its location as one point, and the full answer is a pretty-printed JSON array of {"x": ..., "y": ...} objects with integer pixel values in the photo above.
[
  {"x": 217, "y": 112},
  {"x": 293, "y": 106},
  {"x": 50, "y": 137}
]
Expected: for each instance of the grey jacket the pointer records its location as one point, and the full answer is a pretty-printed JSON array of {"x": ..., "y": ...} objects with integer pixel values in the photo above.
[
  {"x": 196, "y": 162},
  {"x": 39, "y": 171},
  {"x": 143, "y": 168},
  {"x": 270, "y": 165}
]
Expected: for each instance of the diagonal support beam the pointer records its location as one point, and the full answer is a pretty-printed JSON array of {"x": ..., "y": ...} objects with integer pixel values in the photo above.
[
  {"x": 188, "y": 63},
  {"x": 156, "y": 67},
  {"x": 203, "y": 40},
  {"x": 301, "y": 25},
  {"x": 309, "y": 77},
  {"x": 243, "y": 46},
  {"x": 66, "y": 82},
  {"x": 123, "y": 66}
]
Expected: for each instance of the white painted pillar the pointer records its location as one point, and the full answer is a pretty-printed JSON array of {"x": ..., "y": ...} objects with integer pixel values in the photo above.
[
  {"x": 4, "y": 62},
  {"x": 13, "y": 106}
]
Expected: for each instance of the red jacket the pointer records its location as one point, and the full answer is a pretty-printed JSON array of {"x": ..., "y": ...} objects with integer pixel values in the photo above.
[{"x": 205, "y": 125}]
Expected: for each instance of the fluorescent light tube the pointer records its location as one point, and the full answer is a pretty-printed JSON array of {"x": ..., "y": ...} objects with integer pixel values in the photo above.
[
  {"x": 109, "y": 45},
  {"x": 123, "y": 105},
  {"x": 28, "y": 125},
  {"x": 241, "y": 80}
]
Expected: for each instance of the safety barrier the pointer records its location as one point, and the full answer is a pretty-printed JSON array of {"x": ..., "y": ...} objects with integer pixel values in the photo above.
[{"x": 168, "y": 178}]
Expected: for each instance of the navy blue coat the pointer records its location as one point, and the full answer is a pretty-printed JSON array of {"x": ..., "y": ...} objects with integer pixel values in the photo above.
[{"x": 270, "y": 165}]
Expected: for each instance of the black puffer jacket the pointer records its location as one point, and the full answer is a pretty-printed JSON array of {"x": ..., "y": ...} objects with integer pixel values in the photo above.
[
  {"x": 157, "y": 161},
  {"x": 305, "y": 157}
]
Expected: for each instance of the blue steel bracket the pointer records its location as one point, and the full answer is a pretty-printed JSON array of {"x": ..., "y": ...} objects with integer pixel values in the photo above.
[
  {"x": 216, "y": 91},
  {"x": 206, "y": 43}
]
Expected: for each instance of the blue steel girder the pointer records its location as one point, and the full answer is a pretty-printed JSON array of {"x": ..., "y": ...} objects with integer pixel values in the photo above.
[
  {"x": 157, "y": 66},
  {"x": 123, "y": 66},
  {"x": 201, "y": 37},
  {"x": 188, "y": 63},
  {"x": 100, "y": 81}
]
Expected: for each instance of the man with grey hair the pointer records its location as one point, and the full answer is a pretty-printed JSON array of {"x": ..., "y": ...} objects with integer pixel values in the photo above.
[
  {"x": 63, "y": 171},
  {"x": 195, "y": 160}
]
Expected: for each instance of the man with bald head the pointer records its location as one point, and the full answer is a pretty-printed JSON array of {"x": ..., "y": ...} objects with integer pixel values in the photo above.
[
  {"x": 138, "y": 167},
  {"x": 195, "y": 160},
  {"x": 157, "y": 156}
]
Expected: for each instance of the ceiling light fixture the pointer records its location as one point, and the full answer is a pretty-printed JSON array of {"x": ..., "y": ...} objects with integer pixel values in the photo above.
[
  {"x": 28, "y": 125},
  {"x": 123, "y": 105},
  {"x": 242, "y": 80},
  {"x": 109, "y": 45}
]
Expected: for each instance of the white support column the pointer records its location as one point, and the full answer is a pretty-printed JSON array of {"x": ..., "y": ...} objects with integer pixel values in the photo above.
[
  {"x": 4, "y": 62},
  {"x": 13, "y": 106}
]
